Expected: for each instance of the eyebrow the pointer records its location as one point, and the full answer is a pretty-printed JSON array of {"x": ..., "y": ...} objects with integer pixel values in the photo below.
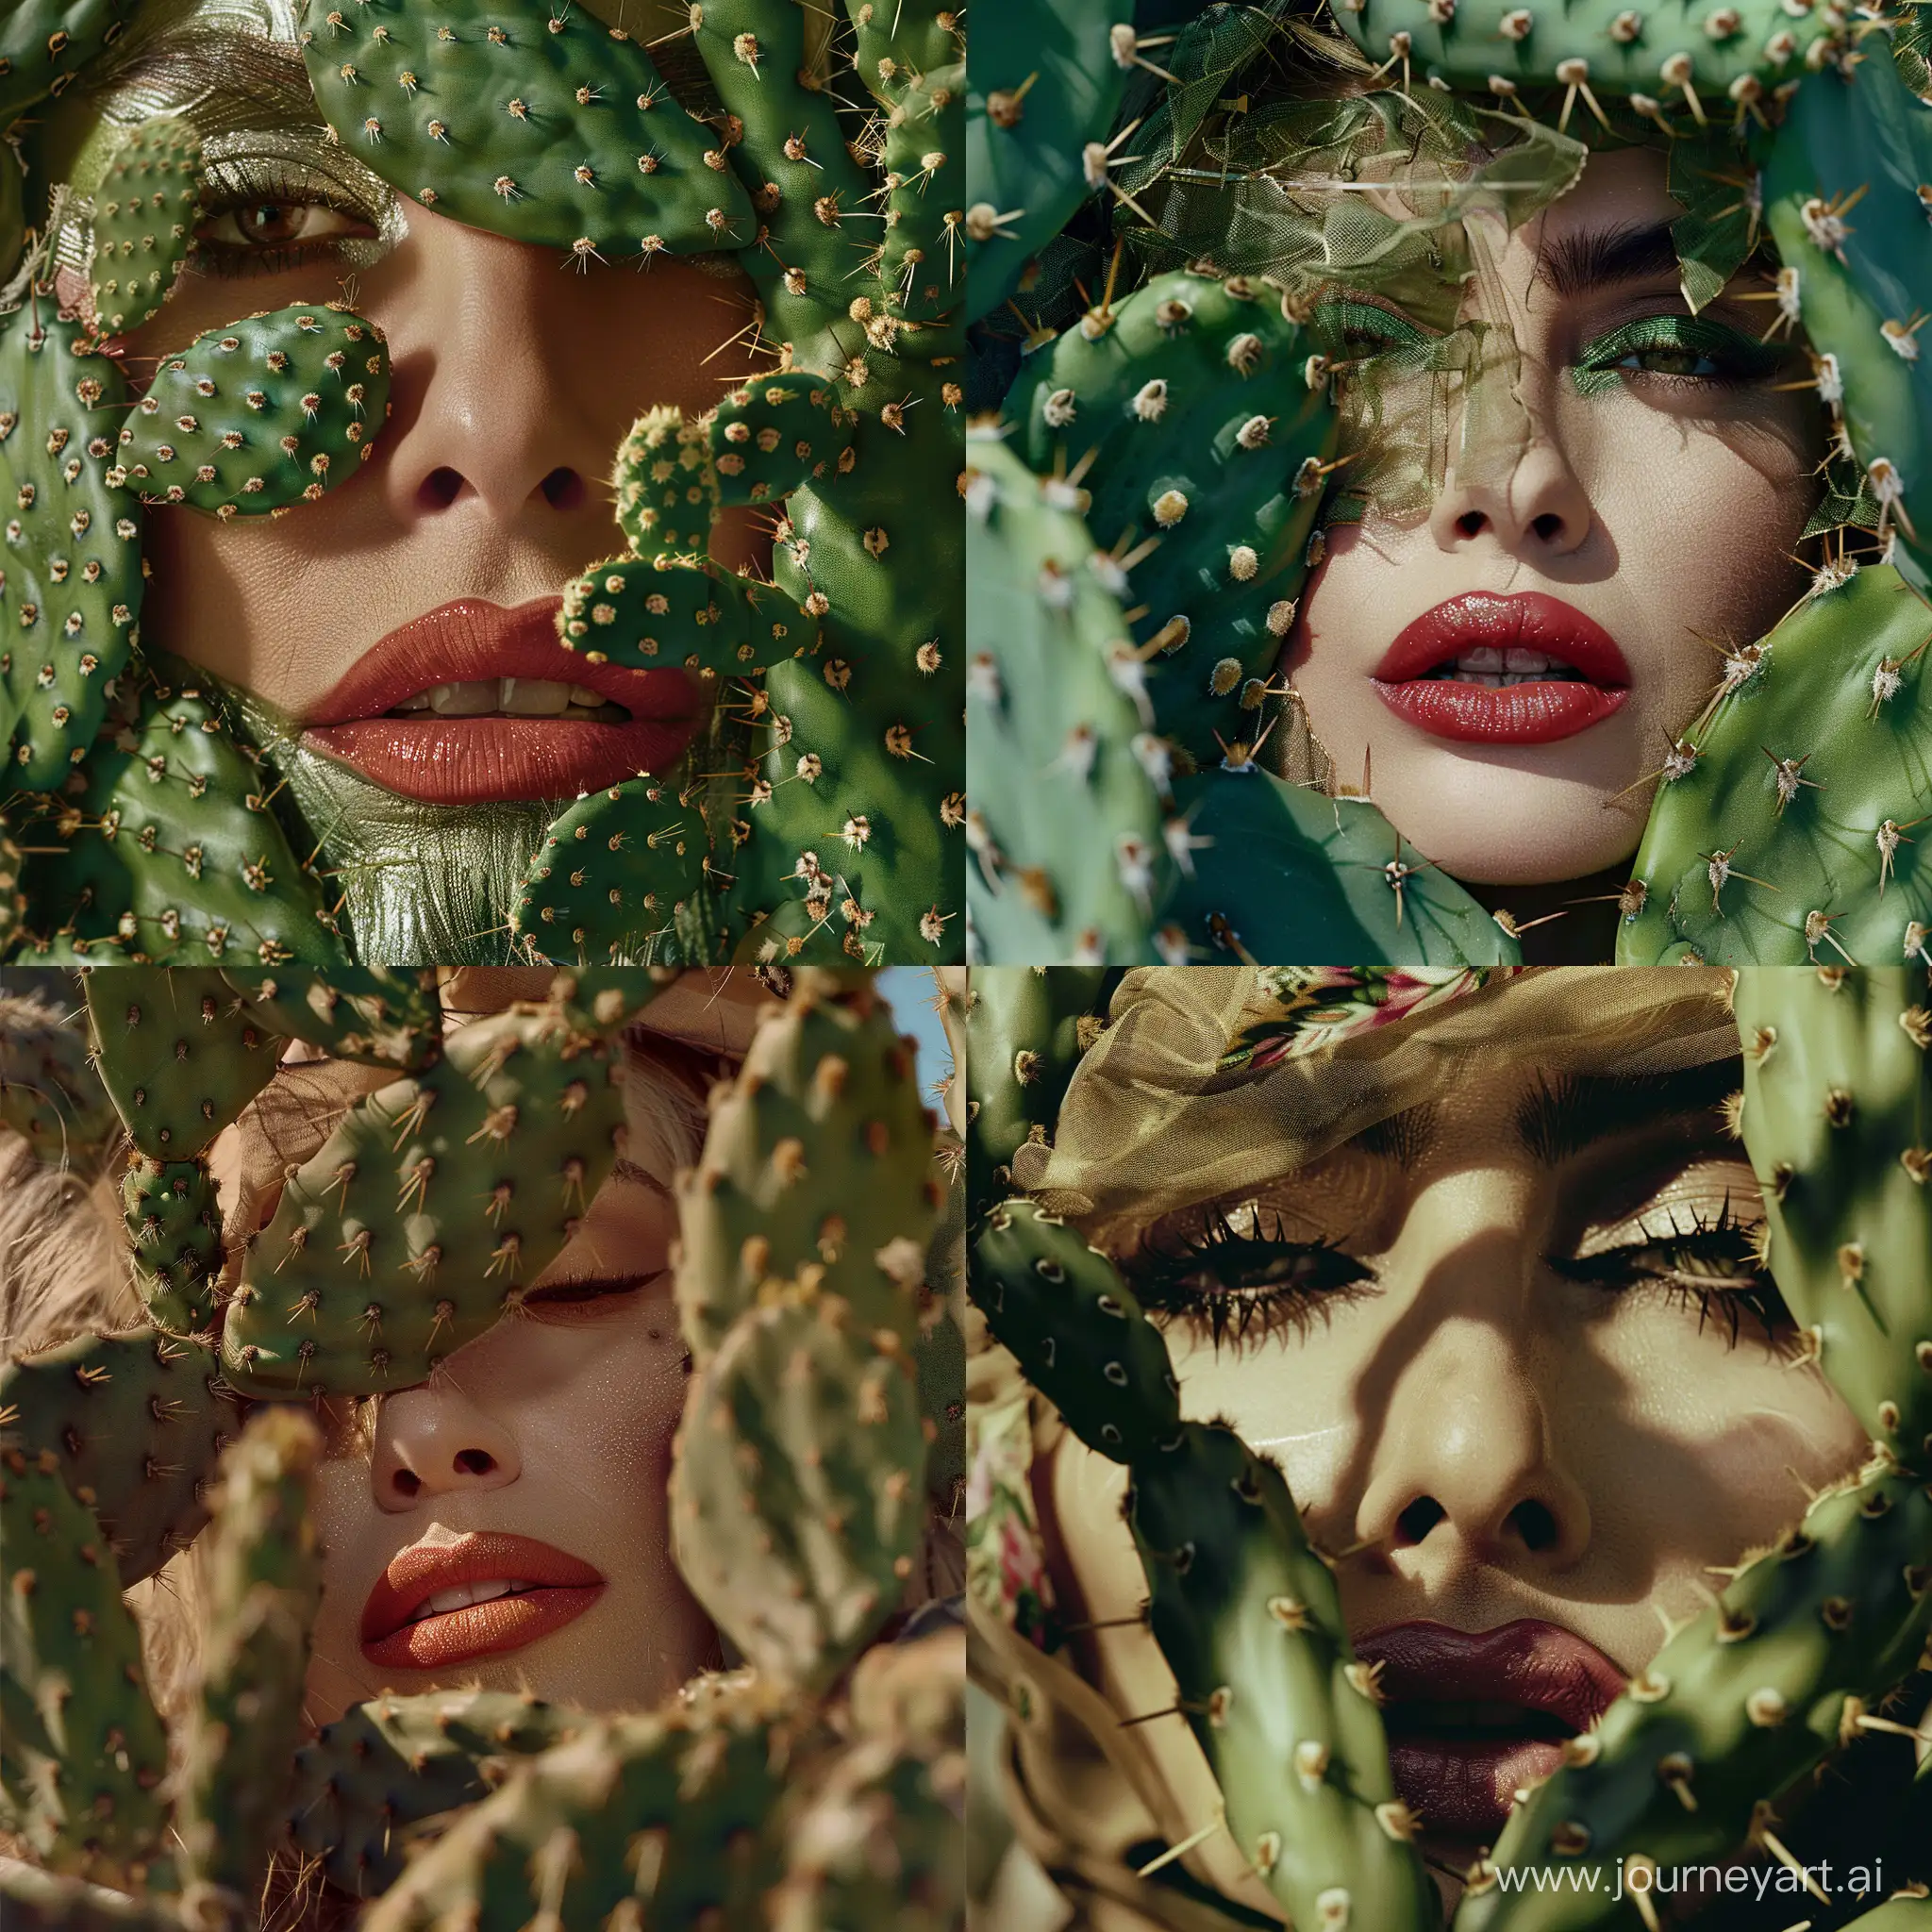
[
  {"x": 630, "y": 1171},
  {"x": 1600, "y": 257},
  {"x": 1558, "y": 1118},
  {"x": 1562, "y": 1115}
]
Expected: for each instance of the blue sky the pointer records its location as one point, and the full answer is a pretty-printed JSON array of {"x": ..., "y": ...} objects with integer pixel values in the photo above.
[{"x": 909, "y": 990}]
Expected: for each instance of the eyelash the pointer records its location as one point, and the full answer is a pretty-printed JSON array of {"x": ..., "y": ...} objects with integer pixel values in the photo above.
[
  {"x": 588, "y": 1292},
  {"x": 1239, "y": 1314},
  {"x": 250, "y": 181}
]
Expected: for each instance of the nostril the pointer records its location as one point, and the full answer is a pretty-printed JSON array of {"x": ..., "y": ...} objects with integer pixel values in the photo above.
[
  {"x": 1416, "y": 1521},
  {"x": 1548, "y": 526},
  {"x": 475, "y": 1462},
  {"x": 563, "y": 489},
  {"x": 1534, "y": 1524},
  {"x": 440, "y": 487},
  {"x": 406, "y": 1482},
  {"x": 1472, "y": 523}
]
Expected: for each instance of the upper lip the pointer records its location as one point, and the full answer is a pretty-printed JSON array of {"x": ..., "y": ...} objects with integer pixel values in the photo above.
[
  {"x": 1532, "y": 619},
  {"x": 470, "y": 640},
  {"x": 425, "y": 1570},
  {"x": 1540, "y": 1666}
]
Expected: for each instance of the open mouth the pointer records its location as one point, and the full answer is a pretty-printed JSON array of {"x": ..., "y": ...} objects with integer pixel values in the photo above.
[
  {"x": 1474, "y": 1717},
  {"x": 472, "y": 704},
  {"x": 438, "y": 1606},
  {"x": 1525, "y": 669}
]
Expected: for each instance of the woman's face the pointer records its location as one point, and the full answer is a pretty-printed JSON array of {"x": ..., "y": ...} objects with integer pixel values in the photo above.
[
  {"x": 1641, "y": 511},
  {"x": 1512, "y": 1354},
  {"x": 407, "y": 619},
  {"x": 554, "y": 1429}
]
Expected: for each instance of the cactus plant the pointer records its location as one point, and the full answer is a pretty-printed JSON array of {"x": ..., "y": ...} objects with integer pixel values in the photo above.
[
  {"x": 1739, "y": 1708},
  {"x": 799, "y": 1495},
  {"x": 1127, "y": 419},
  {"x": 821, "y": 815}
]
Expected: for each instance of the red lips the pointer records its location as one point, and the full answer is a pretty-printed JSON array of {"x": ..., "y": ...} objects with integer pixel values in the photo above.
[
  {"x": 458, "y": 760},
  {"x": 1473, "y": 1716},
  {"x": 562, "y": 1589},
  {"x": 1533, "y": 713}
]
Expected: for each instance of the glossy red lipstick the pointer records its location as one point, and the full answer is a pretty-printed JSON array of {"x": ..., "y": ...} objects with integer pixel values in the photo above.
[
  {"x": 1536, "y": 712},
  {"x": 1471, "y": 1716},
  {"x": 473, "y": 760},
  {"x": 557, "y": 1590}
]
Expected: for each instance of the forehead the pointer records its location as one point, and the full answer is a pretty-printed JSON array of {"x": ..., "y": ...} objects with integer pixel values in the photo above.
[{"x": 1620, "y": 188}]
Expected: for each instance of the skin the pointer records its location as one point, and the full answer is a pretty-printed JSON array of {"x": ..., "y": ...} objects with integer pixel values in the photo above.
[
  {"x": 1488, "y": 1437},
  {"x": 1666, "y": 510},
  {"x": 557, "y": 1425}
]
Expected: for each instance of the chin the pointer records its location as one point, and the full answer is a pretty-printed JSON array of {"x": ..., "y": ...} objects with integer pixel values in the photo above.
[{"x": 1511, "y": 829}]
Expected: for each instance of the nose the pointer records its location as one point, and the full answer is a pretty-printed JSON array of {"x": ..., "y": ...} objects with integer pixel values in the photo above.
[
  {"x": 1467, "y": 1469},
  {"x": 480, "y": 423},
  {"x": 1526, "y": 500},
  {"x": 432, "y": 1440}
]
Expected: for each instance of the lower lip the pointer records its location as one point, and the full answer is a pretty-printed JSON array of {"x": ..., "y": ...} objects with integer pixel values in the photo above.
[
  {"x": 1538, "y": 713},
  {"x": 485, "y": 761},
  {"x": 1464, "y": 1788},
  {"x": 505, "y": 1622}
]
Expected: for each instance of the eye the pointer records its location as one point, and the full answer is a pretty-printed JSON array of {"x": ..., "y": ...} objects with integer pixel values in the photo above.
[
  {"x": 1711, "y": 1263},
  {"x": 1671, "y": 362},
  {"x": 568, "y": 1301},
  {"x": 272, "y": 224},
  {"x": 1237, "y": 1282}
]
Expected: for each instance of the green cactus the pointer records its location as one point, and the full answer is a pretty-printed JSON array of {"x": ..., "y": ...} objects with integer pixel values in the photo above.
[
  {"x": 265, "y": 1585},
  {"x": 1789, "y": 833},
  {"x": 174, "y": 852},
  {"x": 1047, "y": 85},
  {"x": 369, "y": 1014},
  {"x": 72, "y": 592},
  {"x": 134, "y": 1424},
  {"x": 1842, "y": 197},
  {"x": 1069, "y": 837},
  {"x": 826, "y": 1109},
  {"x": 260, "y": 414},
  {"x": 420, "y": 1222},
  {"x": 1198, "y": 423},
  {"x": 389, "y": 1764},
  {"x": 144, "y": 212},
  {"x": 1687, "y": 51},
  {"x": 83, "y": 1793},
  {"x": 44, "y": 43},
  {"x": 534, "y": 124}
]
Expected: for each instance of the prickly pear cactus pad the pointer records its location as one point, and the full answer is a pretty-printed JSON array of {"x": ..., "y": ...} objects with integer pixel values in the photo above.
[
  {"x": 535, "y": 123},
  {"x": 819, "y": 810},
  {"x": 1160, "y": 246}
]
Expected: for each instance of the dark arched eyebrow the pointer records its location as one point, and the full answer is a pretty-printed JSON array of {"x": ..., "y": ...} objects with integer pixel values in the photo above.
[
  {"x": 1562, "y": 1115},
  {"x": 1601, "y": 257}
]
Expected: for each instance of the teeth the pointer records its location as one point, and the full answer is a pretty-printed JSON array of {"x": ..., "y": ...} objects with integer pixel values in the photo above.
[
  {"x": 509, "y": 697},
  {"x": 534, "y": 697},
  {"x": 463, "y": 1596},
  {"x": 470, "y": 699},
  {"x": 1515, "y": 658},
  {"x": 1484, "y": 657}
]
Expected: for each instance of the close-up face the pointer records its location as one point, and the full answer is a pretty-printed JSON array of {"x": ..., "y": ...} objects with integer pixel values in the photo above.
[
  {"x": 406, "y": 621},
  {"x": 1527, "y": 1384},
  {"x": 1512, "y": 666},
  {"x": 507, "y": 1521}
]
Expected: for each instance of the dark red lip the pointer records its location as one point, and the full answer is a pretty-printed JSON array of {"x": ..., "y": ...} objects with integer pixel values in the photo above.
[
  {"x": 564, "y": 1589},
  {"x": 1535, "y": 714},
  {"x": 475, "y": 760},
  {"x": 1457, "y": 1776}
]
